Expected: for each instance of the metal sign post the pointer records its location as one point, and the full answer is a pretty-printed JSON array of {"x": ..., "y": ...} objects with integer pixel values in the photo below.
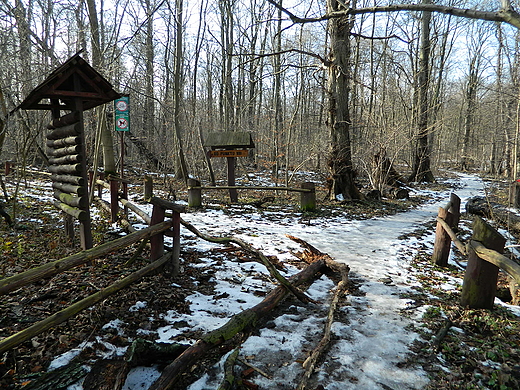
[{"x": 122, "y": 124}]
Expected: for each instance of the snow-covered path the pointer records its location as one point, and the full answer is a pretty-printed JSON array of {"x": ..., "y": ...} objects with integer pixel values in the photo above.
[{"x": 372, "y": 337}]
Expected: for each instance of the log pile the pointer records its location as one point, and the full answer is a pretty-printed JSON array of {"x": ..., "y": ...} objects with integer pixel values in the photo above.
[{"x": 66, "y": 158}]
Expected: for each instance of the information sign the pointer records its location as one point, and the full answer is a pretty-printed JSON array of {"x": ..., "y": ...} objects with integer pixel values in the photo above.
[{"x": 122, "y": 113}]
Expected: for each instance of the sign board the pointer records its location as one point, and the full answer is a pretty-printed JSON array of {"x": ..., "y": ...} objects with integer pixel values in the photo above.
[
  {"x": 122, "y": 113},
  {"x": 228, "y": 153}
]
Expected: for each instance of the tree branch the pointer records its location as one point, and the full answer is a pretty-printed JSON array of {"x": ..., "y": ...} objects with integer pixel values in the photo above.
[{"x": 506, "y": 13}]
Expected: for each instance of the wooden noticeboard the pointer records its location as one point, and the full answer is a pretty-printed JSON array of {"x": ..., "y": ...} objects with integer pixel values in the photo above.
[{"x": 228, "y": 153}]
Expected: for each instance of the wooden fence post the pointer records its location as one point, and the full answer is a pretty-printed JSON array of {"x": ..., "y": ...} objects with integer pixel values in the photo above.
[
  {"x": 99, "y": 186},
  {"x": 455, "y": 209},
  {"x": 233, "y": 194},
  {"x": 442, "y": 245},
  {"x": 148, "y": 188},
  {"x": 194, "y": 194},
  {"x": 514, "y": 194},
  {"x": 480, "y": 280},
  {"x": 451, "y": 215},
  {"x": 114, "y": 199},
  {"x": 308, "y": 198},
  {"x": 157, "y": 242}
]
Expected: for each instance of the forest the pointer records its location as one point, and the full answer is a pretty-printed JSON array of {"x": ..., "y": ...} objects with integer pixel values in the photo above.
[
  {"x": 415, "y": 87},
  {"x": 356, "y": 100}
]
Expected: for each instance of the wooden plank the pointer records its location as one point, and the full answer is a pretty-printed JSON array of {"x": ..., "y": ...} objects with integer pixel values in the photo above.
[
  {"x": 74, "y": 149},
  {"x": 292, "y": 189},
  {"x": 71, "y": 169},
  {"x": 64, "y": 132},
  {"x": 76, "y": 180},
  {"x": 68, "y": 159},
  {"x": 65, "y": 120},
  {"x": 69, "y": 188},
  {"x": 229, "y": 153},
  {"x": 60, "y": 143},
  {"x": 71, "y": 200},
  {"x": 79, "y": 214}
]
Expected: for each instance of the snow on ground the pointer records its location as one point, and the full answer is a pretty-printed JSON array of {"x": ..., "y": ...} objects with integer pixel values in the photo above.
[{"x": 372, "y": 337}]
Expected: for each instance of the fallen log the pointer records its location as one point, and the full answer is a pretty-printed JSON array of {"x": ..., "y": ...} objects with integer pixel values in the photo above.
[
  {"x": 239, "y": 322},
  {"x": 107, "y": 374}
]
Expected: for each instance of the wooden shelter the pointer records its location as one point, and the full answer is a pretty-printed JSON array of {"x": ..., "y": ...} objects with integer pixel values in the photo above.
[
  {"x": 230, "y": 144},
  {"x": 68, "y": 91}
]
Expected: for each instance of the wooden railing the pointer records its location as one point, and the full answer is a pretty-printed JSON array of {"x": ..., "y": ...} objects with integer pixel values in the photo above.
[
  {"x": 307, "y": 191},
  {"x": 159, "y": 227},
  {"x": 485, "y": 257}
]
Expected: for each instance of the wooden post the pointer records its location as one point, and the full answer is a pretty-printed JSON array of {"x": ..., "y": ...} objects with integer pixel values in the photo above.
[
  {"x": 7, "y": 168},
  {"x": 99, "y": 186},
  {"x": 442, "y": 245},
  {"x": 148, "y": 188},
  {"x": 454, "y": 209},
  {"x": 114, "y": 200},
  {"x": 194, "y": 194},
  {"x": 480, "y": 280},
  {"x": 157, "y": 241},
  {"x": 68, "y": 222},
  {"x": 308, "y": 199},
  {"x": 175, "y": 262},
  {"x": 233, "y": 194},
  {"x": 514, "y": 194}
]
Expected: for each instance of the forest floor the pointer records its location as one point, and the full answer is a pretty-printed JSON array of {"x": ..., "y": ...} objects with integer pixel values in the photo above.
[{"x": 481, "y": 351}]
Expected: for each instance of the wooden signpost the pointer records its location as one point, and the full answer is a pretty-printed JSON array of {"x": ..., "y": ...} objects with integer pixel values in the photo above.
[{"x": 230, "y": 144}]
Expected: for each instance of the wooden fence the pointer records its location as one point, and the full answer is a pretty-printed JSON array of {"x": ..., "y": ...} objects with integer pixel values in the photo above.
[
  {"x": 484, "y": 252},
  {"x": 307, "y": 191},
  {"x": 159, "y": 227}
]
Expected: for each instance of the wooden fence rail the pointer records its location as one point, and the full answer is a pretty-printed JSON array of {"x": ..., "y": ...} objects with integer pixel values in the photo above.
[
  {"x": 484, "y": 252},
  {"x": 307, "y": 190}
]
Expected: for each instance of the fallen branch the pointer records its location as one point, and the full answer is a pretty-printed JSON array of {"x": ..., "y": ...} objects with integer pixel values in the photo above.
[
  {"x": 441, "y": 334},
  {"x": 268, "y": 264},
  {"x": 237, "y": 323},
  {"x": 229, "y": 364},
  {"x": 310, "y": 363}
]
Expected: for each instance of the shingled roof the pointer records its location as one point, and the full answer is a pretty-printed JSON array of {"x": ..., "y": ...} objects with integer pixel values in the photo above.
[
  {"x": 74, "y": 79},
  {"x": 229, "y": 139}
]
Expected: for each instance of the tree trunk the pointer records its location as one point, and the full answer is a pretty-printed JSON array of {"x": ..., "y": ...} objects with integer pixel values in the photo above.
[
  {"x": 340, "y": 159},
  {"x": 181, "y": 166},
  {"x": 421, "y": 171}
]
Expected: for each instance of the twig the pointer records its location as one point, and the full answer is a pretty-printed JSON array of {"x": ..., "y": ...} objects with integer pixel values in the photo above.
[
  {"x": 441, "y": 334},
  {"x": 310, "y": 362},
  {"x": 263, "y": 373}
]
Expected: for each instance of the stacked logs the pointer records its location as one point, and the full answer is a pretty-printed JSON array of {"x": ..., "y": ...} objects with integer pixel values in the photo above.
[{"x": 64, "y": 143}]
